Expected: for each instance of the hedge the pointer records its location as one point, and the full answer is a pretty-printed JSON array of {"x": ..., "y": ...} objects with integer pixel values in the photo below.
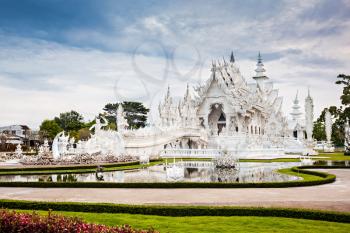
[
  {"x": 71, "y": 167},
  {"x": 178, "y": 210},
  {"x": 324, "y": 178}
]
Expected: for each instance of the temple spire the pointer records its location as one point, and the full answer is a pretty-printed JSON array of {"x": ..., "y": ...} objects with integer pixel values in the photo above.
[
  {"x": 187, "y": 95},
  {"x": 260, "y": 71},
  {"x": 296, "y": 113},
  {"x": 168, "y": 92},
  {"x": 259, "y": 58},
  {"x": 232, "y": 58}
]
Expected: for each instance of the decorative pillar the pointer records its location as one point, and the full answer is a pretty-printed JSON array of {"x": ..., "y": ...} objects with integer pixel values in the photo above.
[{"x": 228, "y": 125}]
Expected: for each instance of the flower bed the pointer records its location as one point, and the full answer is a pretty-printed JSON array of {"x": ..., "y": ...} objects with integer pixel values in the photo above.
[{"x": 11, "y": 221}]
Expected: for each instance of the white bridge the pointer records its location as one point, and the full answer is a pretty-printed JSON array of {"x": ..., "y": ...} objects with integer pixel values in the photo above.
[
  {"x": 192, "y": 164},
  {"x": 190, "y": 153}
]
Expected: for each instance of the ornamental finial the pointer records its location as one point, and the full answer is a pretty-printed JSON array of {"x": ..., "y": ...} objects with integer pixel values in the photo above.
[
  {"x": 232, "y": 58},
  {"x": 259, "y": 58}
]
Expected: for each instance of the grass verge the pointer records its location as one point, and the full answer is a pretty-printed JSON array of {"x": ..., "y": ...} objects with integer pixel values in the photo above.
[
  {"x": 209, "y": 223},
  {"x": 74, "y": 169},
  {"x": 177, "y": 211}
]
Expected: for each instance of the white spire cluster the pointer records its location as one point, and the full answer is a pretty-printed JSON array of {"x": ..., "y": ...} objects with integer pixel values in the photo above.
[
  {"x": 309, "y": 116},
  {"x": 260, "y": 71},
  {"x": 296, "y": 112}
]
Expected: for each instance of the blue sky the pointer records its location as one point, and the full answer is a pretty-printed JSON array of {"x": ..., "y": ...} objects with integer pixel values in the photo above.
[{"x": 60, "y": 55}]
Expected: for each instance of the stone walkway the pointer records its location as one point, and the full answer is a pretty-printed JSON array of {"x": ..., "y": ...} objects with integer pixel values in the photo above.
[{"x": 335, "y": 196}]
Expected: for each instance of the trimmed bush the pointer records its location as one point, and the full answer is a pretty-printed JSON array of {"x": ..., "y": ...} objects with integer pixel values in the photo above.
[
  {"x": 178, "y": 210},
  {"x": 11, "y": 221}
]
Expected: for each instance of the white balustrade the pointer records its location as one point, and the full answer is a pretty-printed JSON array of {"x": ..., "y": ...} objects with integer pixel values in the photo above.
[{"x": 190, "y": 153}]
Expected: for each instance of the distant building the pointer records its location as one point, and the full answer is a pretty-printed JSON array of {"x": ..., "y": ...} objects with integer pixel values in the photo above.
[{"x": 19, "y": 134}]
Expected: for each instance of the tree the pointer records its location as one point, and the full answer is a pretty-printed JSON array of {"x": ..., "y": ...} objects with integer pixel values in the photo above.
[
  {"x": 344, "y": 80},
  {"x": 339, "y": 115},
  {"x": 338, "y": 120},
  {"x": 3, "y": 140},
  {"x": 83, "y": 134},
  {"x": 49, "y": 129},
  {"x": 70, "y": 121},
  {"x": 319, "y": 131},
  {"x": 135, "y": 113}
]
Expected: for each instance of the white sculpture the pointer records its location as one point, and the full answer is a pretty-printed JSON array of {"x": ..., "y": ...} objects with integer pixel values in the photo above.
[
  {"x": 309, "y": 116},
  {"x": 328, "y": 147},
  {"x": 328, "y": 125},
  {"x": 44, "y": 150},
  {"x": 347, "y": 137},
  {"x": 102, "y": 143},
  {"x": 122, "y": 123},
  {"x": 309, "y": 125},
  {"x": 18, "y": 151},
  {"x": 59, "y": 145}
]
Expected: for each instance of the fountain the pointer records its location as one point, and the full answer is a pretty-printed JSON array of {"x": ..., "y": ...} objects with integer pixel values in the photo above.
[
  {"x": 225, "y": 160},
  {"x": 174, "y": 171}
]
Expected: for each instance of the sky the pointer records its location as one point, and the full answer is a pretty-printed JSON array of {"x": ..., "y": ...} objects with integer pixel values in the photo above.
[{"x": 57, "y": 55}]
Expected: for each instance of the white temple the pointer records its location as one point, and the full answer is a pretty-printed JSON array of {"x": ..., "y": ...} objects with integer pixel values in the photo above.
[
  {"x": 242, "y": 117},
  {"x": 226, "y": 115}
]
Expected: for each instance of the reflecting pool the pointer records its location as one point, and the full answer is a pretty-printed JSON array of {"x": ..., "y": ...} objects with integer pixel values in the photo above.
[{"x": 191, "y": 171}]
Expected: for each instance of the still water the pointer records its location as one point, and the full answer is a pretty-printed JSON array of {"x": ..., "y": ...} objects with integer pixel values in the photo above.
[{"x": 194, "y": 171}]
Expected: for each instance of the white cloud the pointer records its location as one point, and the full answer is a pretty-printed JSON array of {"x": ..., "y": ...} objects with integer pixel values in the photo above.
[{"x": 173, "y": 46}]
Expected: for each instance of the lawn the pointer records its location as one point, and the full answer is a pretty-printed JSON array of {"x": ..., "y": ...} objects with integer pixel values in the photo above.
[
  {"x": 210, "y": 223},
  {"x": 72, "y": 170},
  {"x": 306, "y": 177},
  {"x": 334, "y": 156}
]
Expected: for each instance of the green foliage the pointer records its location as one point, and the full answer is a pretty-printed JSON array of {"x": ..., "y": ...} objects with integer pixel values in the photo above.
[
  {"x": 70, "y": 121},
  {"x": 319, "y": 131},
  {"x": 344, "y": 80},
  {"x": 340, "y": 115},
  {"x": 177, "y": 210},
  {"x": 49, "y": 129},
  {"x": 83, "y": 134},
  {"x": 136, "y": 113}
]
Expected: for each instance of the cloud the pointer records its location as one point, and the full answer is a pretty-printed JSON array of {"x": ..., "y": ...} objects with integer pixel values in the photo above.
[{"x": 55, "y": 58}]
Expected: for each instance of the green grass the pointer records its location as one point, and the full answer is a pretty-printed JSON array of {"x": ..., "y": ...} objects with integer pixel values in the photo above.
[
  {"x": 209, "y": 223},
  {"x": 334, "y": 156},
  {"x": 305, "y": 177},
  {"x": 270, "y": 160},
  {"x": 70, "y": 170}
]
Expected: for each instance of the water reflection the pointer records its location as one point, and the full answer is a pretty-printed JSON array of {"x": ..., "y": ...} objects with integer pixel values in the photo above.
[{"x": 178, "y": 172}]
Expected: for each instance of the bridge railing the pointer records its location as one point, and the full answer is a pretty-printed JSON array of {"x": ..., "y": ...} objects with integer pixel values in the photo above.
[{"x": 190, "y": 153}]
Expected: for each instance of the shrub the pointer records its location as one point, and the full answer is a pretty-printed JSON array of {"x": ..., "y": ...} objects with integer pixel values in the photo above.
[
  {"x": 11, "y": 221},
  {"x": 177, "y": 211}
]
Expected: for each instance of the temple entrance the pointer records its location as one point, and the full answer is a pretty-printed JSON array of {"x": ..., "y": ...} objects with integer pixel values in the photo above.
[
  {"x": 295, "y": 134},
  {"x": 216, "y": 119}
]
